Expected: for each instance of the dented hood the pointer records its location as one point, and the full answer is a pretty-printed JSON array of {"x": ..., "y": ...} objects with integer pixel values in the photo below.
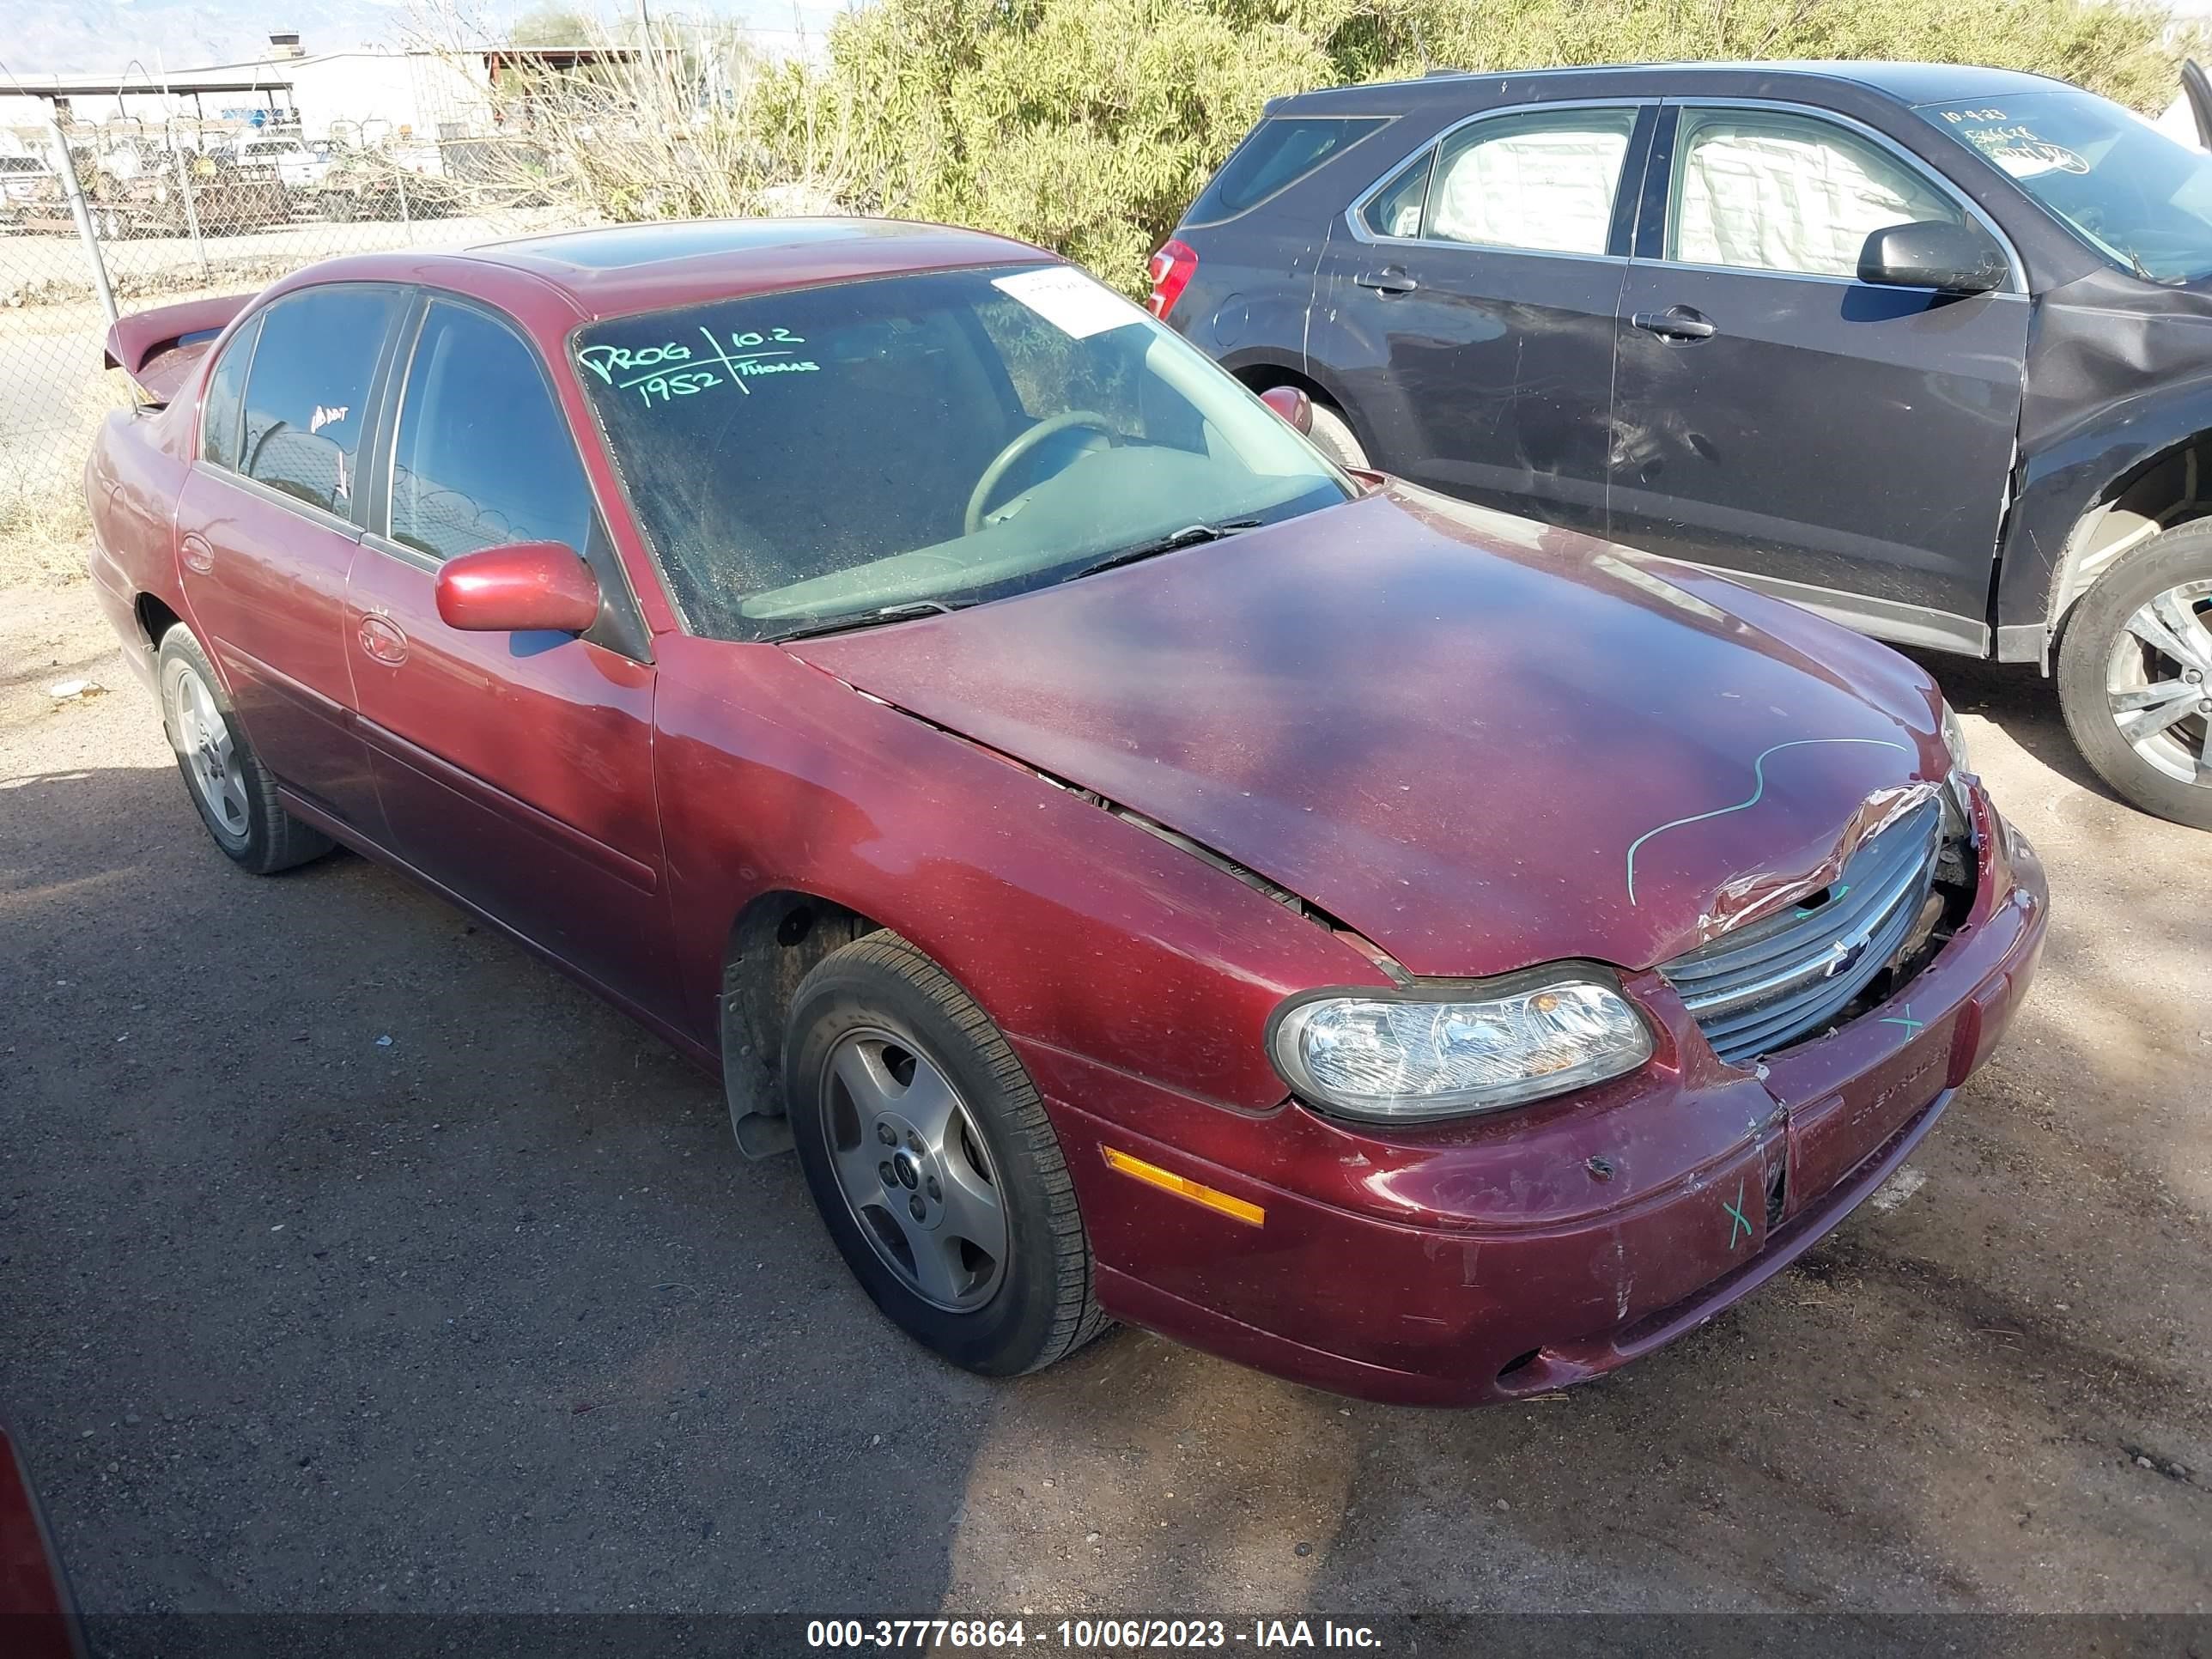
[{"x": 1481, "y": 743}]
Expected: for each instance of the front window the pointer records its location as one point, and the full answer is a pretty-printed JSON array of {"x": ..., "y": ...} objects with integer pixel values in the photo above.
[
  {"x": 482, "y": 455},
  {"x": 2133, "y": 194},
  {"x": 1760, "y": 189},
  {"x": 307, "y": 391},
  {"x": 803, "y": 458}
]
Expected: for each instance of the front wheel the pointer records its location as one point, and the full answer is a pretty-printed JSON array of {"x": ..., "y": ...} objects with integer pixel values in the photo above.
[
  {"x": 931, "y": 1162},
  {"x": 2134, "y": 675},
  {"x": 233, "y": 792}
]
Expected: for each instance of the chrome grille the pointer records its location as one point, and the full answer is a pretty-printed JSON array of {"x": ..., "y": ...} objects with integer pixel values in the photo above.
[{"x": 1784, "y": 976}]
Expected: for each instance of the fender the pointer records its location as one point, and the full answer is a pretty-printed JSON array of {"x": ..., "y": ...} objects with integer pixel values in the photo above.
[
  {"x": 1253, "y": 362},
  {"x": 994, "y": 871},
  {"x": 2113, "y": 381},
  {"x": 1239, "y": 363},
  {"x": 1315, "y": 375}
]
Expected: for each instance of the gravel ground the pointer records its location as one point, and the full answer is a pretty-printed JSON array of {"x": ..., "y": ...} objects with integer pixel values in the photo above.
[{"x": 349, "y": 1259}]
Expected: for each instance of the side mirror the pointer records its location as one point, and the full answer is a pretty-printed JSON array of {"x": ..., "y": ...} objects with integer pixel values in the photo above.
[
  {"x": 1293, "y": 404},
  {"x": 1931, "y": 253},
  {"x": 520, "y": 588}
]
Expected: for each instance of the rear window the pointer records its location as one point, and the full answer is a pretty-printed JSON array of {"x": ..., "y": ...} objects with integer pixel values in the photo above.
[
  {"x": 1277, "y": 155},
  {"x": 307, "y": 393}
]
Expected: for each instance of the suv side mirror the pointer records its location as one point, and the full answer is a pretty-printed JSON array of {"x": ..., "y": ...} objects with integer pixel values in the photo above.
[
  {"x": 520, "y": 588},
  {"x": 1933, "y": 254},
  {"x": 1293, "y": 404}
]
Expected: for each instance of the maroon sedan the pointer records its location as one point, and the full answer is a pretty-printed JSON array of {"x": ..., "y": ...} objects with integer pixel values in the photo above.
[{"x": 1148, "y": 872}]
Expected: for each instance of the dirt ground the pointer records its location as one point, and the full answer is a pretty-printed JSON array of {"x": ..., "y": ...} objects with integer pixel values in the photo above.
[{"x": 351, "y": 1259}]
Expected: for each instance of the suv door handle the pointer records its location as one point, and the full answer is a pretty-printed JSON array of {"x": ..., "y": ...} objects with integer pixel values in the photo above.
[
  {"x": 1677, "y": 323},
  {"x": 1391, "y": 279}
]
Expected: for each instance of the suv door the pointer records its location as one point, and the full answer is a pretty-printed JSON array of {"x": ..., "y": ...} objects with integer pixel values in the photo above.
[
  {"x": 1840, "y": 444},
  {"x": 515, "y": 769},
  {"x": 267, "y": 528},
  {"x": 1465, "y": 308}
]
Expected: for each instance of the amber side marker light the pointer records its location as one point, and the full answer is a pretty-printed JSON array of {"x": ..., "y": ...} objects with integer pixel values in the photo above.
[{"x": 1182, "y": 1187}]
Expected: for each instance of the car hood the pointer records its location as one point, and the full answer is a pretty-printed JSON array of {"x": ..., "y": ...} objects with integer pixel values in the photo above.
[{"x": 1479, "y": 741}]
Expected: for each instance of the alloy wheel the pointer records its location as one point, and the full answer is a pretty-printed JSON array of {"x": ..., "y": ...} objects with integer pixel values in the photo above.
[
  {"x": 211, "y": 759},
  {"x": 912, "y": 1168},
  {"x": 2158, "y": 681}
]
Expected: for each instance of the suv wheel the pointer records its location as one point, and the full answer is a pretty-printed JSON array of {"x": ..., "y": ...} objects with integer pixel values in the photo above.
[
  {"x": 2134, "y": 675},
  {"x": 933, "y": 1163},
  {"x": 1332, "y": 435}
]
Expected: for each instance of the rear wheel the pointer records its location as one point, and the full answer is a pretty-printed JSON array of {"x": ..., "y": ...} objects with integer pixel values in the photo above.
[
  {"x": 234, "y": 793},
  {"x": 931, "y": 1162},
  {"x": 2134, "y": 675},
  {"x": 1332, "y": 434}
]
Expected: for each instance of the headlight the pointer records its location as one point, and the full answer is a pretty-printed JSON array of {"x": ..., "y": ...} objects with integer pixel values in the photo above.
[
  {"x": 1954, "y": 738},
  {"x": 1412, "y": 1058}
]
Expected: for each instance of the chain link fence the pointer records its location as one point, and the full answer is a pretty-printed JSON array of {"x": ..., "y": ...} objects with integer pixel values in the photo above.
[{"x": 185, "y": 209}]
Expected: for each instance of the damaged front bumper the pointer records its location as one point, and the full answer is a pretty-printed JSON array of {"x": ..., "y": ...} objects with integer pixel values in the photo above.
[{"x": 1498, "y": 1258}]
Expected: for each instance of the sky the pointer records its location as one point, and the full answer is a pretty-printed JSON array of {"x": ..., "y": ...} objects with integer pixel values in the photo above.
[{"x": 104, "y": 36}]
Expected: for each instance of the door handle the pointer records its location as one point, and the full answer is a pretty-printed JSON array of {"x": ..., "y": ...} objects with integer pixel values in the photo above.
[
  {"x": 1391, "y": 279},
  {"x": 1679, "y": 323},
  {"x": 197, "y": 555},
  {"x": 380, "y": 637}
]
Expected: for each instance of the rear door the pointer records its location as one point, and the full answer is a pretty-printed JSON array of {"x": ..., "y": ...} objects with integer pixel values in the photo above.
[
  {"x": 268, "y": 525},
  {"x": 1842, "y": 444},
  {"x": 1465, "y": 309},
  {"x": 515, "y": 769}
]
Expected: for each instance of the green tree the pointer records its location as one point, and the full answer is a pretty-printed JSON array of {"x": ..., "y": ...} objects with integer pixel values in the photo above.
[{"x": 1087, "y": 125}]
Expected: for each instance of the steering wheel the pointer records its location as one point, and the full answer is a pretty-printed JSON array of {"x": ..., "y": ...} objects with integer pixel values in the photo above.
[{"x": 979, "y": 499}]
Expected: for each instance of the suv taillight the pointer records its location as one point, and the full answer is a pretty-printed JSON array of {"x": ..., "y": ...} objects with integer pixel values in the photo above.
[{"x": 1172, "y": 268}]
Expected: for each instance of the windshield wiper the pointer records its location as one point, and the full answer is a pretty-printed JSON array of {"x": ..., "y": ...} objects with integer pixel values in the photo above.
[
  {"x": 906, "y": 611},
  {"x": 1189, "y": 535}
]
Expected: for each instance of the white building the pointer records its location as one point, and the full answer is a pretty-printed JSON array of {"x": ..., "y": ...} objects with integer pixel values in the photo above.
[{"x": 361, "y": 97}]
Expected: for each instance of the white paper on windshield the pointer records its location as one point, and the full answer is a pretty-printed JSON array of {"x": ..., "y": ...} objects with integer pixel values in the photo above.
[{"x": 1071, "y": 302}]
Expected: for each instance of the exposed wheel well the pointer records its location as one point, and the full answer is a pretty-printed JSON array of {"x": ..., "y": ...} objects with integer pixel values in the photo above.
[
  {"x": 1261, "y": 376},
  {"x": 774, "y": 943},
  {"x": 155, "y": 618},
  {"x": 2172, "y": 488}
]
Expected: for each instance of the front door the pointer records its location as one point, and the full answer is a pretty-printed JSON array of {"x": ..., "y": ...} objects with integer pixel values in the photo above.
[
  {"x": 267, "y": 531},
  {"x": 515, "y": 769},
  {"x": 1844, "y": 445},
  {"x": 1465, "y": 308}
]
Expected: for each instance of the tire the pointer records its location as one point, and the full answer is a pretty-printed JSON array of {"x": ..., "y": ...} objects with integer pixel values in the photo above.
[
  {"x": 234, "y": 794},
  {"x": 1332, "y": 435},
  {"x": 2145, "y": 625},
  {"x": 873, "y": 1029}
]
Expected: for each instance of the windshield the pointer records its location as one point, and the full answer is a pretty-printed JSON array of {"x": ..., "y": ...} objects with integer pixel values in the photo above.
[
  {"x": 2136, "y": 196},
  {"x": 928, "y": 439}
]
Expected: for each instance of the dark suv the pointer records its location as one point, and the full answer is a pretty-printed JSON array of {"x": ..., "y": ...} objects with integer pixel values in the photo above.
[{"x": 1926, "y": 348}]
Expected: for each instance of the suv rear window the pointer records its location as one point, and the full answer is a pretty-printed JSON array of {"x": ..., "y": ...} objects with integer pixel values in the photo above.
[{"x": 1274, "y": 156}]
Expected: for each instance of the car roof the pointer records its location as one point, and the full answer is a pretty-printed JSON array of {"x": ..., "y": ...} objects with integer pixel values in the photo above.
[
  {"x": 1906, "y": 83},
  {"x": 619, "y": 269}
]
